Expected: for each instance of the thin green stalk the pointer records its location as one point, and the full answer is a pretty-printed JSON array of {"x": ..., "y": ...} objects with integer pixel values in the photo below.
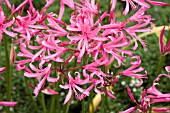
[
  {"x": 83, "y": 106},
  {"x": 150, "y": 110},
  {"x": 9, "y": 83},
  {"x": 52, "y": 104},
  {"x": 85, "y": 61},
  {"x": 67, "y": 107},
  {"x": 109, "y": 5},
  {"x": 7, "y": 64},
  {"x": 168, "y": 33},
  {"x": 43, "y": 103},
  {"x": 58, "y": 103},
  {"x": 160, "y": 65},
  {"x": 90, "y": 101},
  {"x": 53, "y": 99},
  {"x": 30, "y": 94},
  {"x": 8, "y": 75},
  {"x": 107, "y": 103},
  {"x": 103, "y": 104}
]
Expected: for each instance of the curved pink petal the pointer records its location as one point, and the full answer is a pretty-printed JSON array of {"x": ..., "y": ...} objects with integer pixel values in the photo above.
[
  {"x": 68, "y": 96},
  {"x": 2, "y": 69},
  {"x": 4, "y": 103},
  {"x": 163, "y": 109},
  {"x": 128, "y": 110},
  {"x": 161, "y": 43},
  {"x": 167, "y": 68},
  {"x": 110, "y": 94},
  {"x": 157, "y": 3},
  {"x": 49, "y": 91},
  {"x": 130, "y": 94},
  {"x": 10, "y": 33}
]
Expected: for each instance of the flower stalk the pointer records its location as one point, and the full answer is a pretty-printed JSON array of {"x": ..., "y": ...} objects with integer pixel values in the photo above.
[
  {"x": 43, "y": 103},
  {"x": 31, "y": 96},
  {"x": 8, "y": 75},
  {"x": 67, "y": 107}
]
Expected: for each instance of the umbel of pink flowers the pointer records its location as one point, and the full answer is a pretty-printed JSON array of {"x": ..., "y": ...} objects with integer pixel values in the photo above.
[
  {"x": 150, "y": 96},
  {"x": 72, "y": 54}
]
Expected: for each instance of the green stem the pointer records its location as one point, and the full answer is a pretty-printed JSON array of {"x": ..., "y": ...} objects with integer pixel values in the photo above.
[
  {"x": 7, "y": 64},
  {"x": 109, "y": 5},
  {"x": 85, "y": 61},
  {"x": 52, "y": 104},
  {"x": 30, "y": 94},
  {"x": 53, "y": 98},
  {"x": 107, "y": 103},
  {"x": 67, "y": 107},
  {"x": 83, "y": 106},
  {"x": 160, "y": 65},
  {"x": 58, "y": 103},
  {"x": 9, "y": 83},
  {"x": 150, "y": 110},
  {"x": 91, "y": 101},
  {"x": 8, "y": 75},
  {"x": 168, "y": 34},
  {"x": 103, "y": 105},
  {"x": 43, "y": 103},
  {"x": 74, "y": 68}
]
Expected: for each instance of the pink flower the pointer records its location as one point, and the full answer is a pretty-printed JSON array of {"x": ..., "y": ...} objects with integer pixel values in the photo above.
[
  {"x": 27, "y": 26},
  {"x": 142, "y": 106},
  {"x": 164, "y": 48},
  {"x": 134, "y": 69},
  {"x": 134, "y": 7},
  {"x": 142, "y": 21},
  {"x": 55, "y": 27},
  {"x": 155, "y": 95},
  {"x": 73, "y": 86},
  {"x": 97, "y": 81},
  {"x": 4, "y": 25},
  {"x": 83, "y": 23},
  {"x": 113, "y": 47},
  {"x": 42, "y": 75}
]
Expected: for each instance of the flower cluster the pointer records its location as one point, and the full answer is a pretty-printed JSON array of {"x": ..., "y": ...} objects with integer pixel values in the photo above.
[
  {"x": 150, "y": 96},
  {"x": 80, "y": 52}
]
